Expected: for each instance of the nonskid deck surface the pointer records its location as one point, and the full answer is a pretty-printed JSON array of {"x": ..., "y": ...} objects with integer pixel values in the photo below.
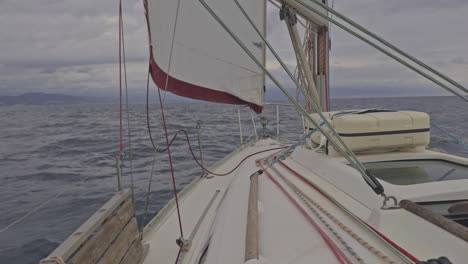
[
  {"x": 296, "y": 222},
  {"x": 161, "y": 234}
]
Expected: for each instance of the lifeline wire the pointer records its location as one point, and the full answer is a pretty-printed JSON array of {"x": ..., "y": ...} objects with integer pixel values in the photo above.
[
  {"x": 121, "y": 47},
  {"x": 174, "y": 187},
  {"x": 187, "y": 139},
  {"x": 129, "y": 133},
  {"x": 148, "y": 193},
  {"x": 301, "y": 140},
  {"x": 120, "y": 76},
  {"x": 172, "y": 47},
  {"x": 39, "y": 207}
]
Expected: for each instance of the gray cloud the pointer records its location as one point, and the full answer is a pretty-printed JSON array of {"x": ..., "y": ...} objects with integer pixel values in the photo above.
[
  {"x": 433, "y": 31},
  {"x": 71, "y": 46}
]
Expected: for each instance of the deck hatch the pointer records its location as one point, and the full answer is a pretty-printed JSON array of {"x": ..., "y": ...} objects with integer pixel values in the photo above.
[{"x": 408, "y": 172}]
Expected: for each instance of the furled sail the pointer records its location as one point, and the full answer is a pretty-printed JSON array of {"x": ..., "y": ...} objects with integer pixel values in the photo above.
[{"x": 192, "y": 55}]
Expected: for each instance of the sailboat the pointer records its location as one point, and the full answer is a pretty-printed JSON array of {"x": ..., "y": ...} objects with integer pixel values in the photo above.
[{"x": 358, "y": 186}]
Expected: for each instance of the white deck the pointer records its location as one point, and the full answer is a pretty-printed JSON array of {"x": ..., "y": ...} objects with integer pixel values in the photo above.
[{"x": 285, "y": 236}]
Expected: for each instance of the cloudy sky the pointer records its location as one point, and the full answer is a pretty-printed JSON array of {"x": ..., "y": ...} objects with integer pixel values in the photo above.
[{"x": 71, "y": 47}]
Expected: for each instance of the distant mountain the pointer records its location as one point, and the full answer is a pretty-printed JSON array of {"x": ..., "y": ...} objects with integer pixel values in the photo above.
[{"x": 47, "y": 99}]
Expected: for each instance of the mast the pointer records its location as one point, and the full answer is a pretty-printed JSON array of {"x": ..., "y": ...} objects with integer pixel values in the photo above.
[{"x": 313, "y": 58}]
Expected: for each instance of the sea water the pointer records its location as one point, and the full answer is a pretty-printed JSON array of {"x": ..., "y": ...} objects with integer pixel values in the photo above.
[{"x": 71, "y": 149}]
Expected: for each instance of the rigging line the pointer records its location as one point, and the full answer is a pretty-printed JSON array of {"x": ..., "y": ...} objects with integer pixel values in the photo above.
[
  {"x": 12, "y": 224},
  {"x": 172, "y": 48},
  {"x": 388, "y": 44},
  {"x": 167, "y": 137},
  {"x": 181, "y": 247},
  {"x": 292, "y": 148},
  {"x": 148, "y": 193},
  {"x": 165, "y": 129},
  {"x": 313, "y": 206},
  {"x": 170, "y": 163},
  {"x": 147, "y": 110},
  {"x": 127, "y": 105},
  {"x": 309, "y": 201},
  {"x": 120, "y": 75},
  {"x": 339, "y": 255},
  {"x": 347, "y": 153},
  {"x": 211, "y": 172},
  {"x": 326, "y": 68},
  {"x": 187, "y": 139},
  {"x": 403, "y": 254},
  {"x": 351, "y": 157},
  {"x": 383, "y": 50},
  {"x": 237, "y": 166}
]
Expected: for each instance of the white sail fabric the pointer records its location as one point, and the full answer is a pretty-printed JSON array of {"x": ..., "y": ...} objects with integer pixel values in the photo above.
[{"x": 206, "y": 63}]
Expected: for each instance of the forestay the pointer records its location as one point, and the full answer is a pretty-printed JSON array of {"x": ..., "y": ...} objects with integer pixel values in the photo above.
[{"x": 192, "y": 56}]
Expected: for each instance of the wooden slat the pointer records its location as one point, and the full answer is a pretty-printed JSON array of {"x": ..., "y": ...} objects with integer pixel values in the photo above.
[
  {"x": 122, "y": 243},
  {"x": 95, "y": 247},
  {"x": 84, "y": 231},
  {"x": 135, "y": 254}
]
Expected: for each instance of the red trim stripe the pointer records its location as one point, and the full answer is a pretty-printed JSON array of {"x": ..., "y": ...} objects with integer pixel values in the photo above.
[
  {"x": 339, "y": 255},
  {"x": 403, "y": 251}
]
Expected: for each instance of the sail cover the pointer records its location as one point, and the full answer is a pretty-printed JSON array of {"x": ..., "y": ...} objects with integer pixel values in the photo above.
[{"x": 205, "y": 62}]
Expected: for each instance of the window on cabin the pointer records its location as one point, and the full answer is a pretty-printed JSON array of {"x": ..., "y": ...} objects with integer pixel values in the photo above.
[{"x": 409, "y": 172}]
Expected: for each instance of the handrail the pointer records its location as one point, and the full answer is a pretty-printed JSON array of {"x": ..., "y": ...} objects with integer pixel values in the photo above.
[
  {"x": 255, "y": 133},
  {"x": 280, "y": 104}
]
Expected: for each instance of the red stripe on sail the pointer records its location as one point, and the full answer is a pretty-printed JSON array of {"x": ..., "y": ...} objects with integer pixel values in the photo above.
[
  {"x": 189, "y": 90},
  {"x": 193, "y": 91}
]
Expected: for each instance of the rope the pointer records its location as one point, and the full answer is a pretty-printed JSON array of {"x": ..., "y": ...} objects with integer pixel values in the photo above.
[
  {"x": 120, "y": 74},
  {"x": 126, "y": 101},
  {"x": 170, "y": 162},
  {"x": 340, "y": 257},
  {"x": 325, "y": 70},
  {"x": 148, "y": 193},
  {"x": 309, "y": 201},
  {"x": 187, "y": 139},
  {"x": 165, "y": 128},
  {"x": 301, "y": 140},
  {"x": 405, "y": 256},
  {"x": 172, "y": 47},
  {"x": 340, "y": 145},
  {"x": 181, "y": 247}
]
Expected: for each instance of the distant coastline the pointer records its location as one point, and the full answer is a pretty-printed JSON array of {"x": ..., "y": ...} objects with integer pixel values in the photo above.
[
  {"x": 63, "y": 99},
  {"x": 48, "y": 99}
]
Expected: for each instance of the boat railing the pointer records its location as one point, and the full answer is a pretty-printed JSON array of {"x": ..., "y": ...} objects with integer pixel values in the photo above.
[
  {"x": 109, "y": 236},
  {"x": 263, "y": 121}
]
